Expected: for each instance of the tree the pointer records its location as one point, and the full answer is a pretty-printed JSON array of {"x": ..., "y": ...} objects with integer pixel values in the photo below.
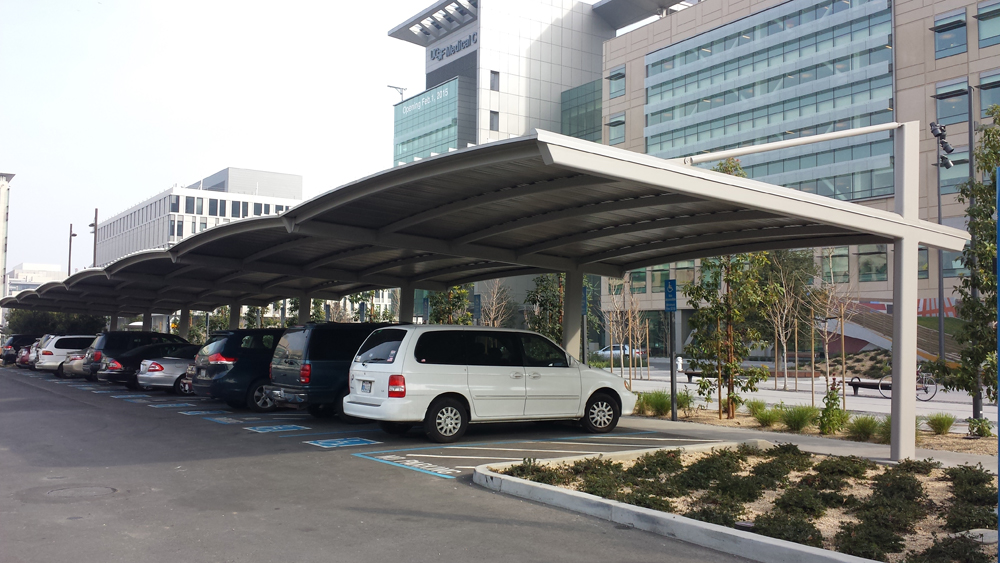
[
  {"x": 623, "y": 320},
  {"x": 497, "y": 307},
  {"x": 977, "y": 305},
  {"x": 26, "y": 321},
  {"x": 451, "y": 306},
  {"x": 788, "y": 273},
  {"x": 830, "y": 300},
  {"x": 372, "y": 312},
  {"x": 545, "y": 314}
]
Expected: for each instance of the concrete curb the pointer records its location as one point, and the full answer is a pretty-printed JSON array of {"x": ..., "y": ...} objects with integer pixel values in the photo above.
[{"x": 727, "y": 540}]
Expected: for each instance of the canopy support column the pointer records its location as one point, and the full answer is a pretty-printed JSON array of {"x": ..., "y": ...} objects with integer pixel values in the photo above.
[
  {"x": 573, "y": 314},
  {"x": 234, "y": 316},
  {"x": 113, "y": 325},
  {"x": 184, "y": 323},
  {"x": 904, "y": 349},
  {"x": 406, "y": 302},
  {"x": 147, "y": 321},
  {"x": 305, "y": 305}
]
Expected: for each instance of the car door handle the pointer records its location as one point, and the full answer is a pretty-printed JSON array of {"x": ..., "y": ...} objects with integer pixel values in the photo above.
[
  {"x": 535, "y": 375},
  {"x": 516, "y": 375}
]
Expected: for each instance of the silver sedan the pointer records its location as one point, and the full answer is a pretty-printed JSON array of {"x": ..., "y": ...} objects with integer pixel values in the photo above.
[{"x": 166, "y": 373}]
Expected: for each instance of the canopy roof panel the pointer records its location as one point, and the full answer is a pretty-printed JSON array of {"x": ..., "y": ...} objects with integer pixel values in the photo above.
[{"x": 540, "y": 203}]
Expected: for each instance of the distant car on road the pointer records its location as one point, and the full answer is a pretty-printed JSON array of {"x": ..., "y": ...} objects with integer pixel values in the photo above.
[{"x": 620, "y": 351}]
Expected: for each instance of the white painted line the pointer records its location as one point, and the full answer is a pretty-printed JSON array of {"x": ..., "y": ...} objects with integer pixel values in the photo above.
[
  {"x": 465, "y": 457},
  {"x": 605, "y": 444},
  {"x": 465, "y": 467},
  {"x": 521, "y": 450},
  {"x": 655, "y": 439}
]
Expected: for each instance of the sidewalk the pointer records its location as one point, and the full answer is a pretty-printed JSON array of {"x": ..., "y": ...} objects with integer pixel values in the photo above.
[{"x": 814, "y": 444}]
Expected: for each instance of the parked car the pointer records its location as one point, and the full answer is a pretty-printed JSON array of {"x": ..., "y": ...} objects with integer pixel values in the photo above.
[
  {"x": 24, "y": 357},
  {"x": 115, "y": 343},
  {"x": 310, "y": 366},
  {"x": 73, "y": 366},
  {"x": 124, "y": 367},
  {"x": 445, "y": 377},
  {"x": 12, "y": 346},
  {"x": 33, "y": 354},
  {"x": 620, "y": 351},
  {"x": 52, "y": 353},
  {"x": 232, "y": 367},
  {"x": 167, "y": 372}
]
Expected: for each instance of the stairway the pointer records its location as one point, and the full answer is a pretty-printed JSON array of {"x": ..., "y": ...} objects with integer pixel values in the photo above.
[{"x": 927, "y": 339}]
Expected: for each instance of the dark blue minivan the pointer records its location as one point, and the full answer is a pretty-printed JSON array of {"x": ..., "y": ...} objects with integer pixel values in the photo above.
[
  {"x": 232, "y": 367},
  {"x": 310, "y": 366}
]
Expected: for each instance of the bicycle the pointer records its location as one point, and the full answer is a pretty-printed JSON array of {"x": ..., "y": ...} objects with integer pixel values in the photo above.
[{"x": 927, "y": 386}]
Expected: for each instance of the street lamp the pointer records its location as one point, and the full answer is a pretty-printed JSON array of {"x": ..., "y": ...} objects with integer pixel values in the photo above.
[
  {"x": 940, "y": 132},
  {"x": 69, "y": 262},
  {"x": 94, "y": 232},
  {"x": 399, "y": 89}
]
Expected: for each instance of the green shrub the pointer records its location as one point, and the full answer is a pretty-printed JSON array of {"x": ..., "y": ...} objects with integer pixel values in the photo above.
[
  {"x": 963, "y": 516},
  {"x": 647, "y": 501},
  {"x": 921, "y": 467},
  {"x": 541, "y": 473},
  {"x": 656, "y": 464},
  {"x": 685, "y": 401},
  {"x": 832, "y": 418},
  {"x": 754, "y": 406},
  {"x": 801, "y": 500},
  {"x": 716, "y": 509},
  {"x": 738, "y": 488},
  {"x": 767, "y": 417},
  {"x": 796, "y": 459},
  {"x": 850, "y": 466},
  {"x": 867, "y": 539},
  {"x": 883, "y": 435},
  {"x": 972, "y": 485},
  {"x": 702, "y": 473},
  {"x": 641, "y": 408},
  {"x": 789, "y": 528},
  {"x": 769, "y": 474},
  {"x": 823, "y": 482},
  {"x": 749, "y": 450},
  {"x": 658, "y": 402},
  {"x": 862, "y": 428},
  {"x": 799, "y": 417},
  {"x": 940, "y": 423},
  {"x": 980, "y": 427},
  {"x": 959, "y": 549}
]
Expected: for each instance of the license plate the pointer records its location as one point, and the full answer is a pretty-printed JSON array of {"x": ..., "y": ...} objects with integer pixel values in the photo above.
[
  {"x": 190, "y": 370},
  {"x": 201, "y": 374},
  {"x": 366, "y": 386}
]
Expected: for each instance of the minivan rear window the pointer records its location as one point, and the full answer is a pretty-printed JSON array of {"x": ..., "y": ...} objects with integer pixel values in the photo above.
[
  {"x": 292, "y": 345},
  {"x": 73, "y": 343},
  {"x": 337, "y": 345},
  {"x": 442, "y": 347},
  {"x": 381, "y": 346},
  {"x": 213, "y": 346}
]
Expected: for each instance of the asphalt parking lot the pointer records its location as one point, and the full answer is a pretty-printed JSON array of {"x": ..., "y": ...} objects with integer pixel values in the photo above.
[{"x": 93, "y": 472}]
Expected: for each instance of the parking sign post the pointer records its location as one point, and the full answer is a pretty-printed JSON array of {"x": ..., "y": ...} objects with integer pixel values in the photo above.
[{"x": 670, "y": 305}]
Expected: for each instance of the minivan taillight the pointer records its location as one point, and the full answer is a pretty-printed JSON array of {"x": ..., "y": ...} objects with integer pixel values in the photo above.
[
  {"x": 397, "y": 386},
  {"x": 46, "y": 352},
  {"x": 305, "y": 374},
  {"x": 219, "y": 359}
]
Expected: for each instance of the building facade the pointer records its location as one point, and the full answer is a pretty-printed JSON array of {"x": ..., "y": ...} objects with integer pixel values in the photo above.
[
  {"x": 31, "y": 275},
  {"x": 170, "y": 216},
  {"x": 5, "y": 209}
]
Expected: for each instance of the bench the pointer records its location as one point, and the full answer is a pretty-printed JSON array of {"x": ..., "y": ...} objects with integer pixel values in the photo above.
[
  {"x": 691, "y": 374},
  {"x": 858, "y": 383}
]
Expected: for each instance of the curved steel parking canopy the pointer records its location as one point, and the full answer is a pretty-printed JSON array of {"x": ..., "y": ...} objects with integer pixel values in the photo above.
[
  {"x": 535, "y": 204},
  {"x": 541, "y": 203}
]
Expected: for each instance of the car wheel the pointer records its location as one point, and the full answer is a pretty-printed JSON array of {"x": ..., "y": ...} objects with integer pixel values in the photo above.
[
  {"x": 257, "y": 399},
  {"x": 60, "y": 373},
  {"x": 179, "y": 389},
  {"x": 395, "y": 428},
  {"x": 322, "y": 410},
  {"x": 601, "y": 415},
  {"x": 446, "y": 421},
  {"x": 340, "y": 409}
]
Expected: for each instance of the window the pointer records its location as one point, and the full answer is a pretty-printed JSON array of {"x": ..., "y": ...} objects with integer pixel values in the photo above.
[
  {"x": 494, "y": 81},
  {"x": 539, "y": 352},
  {"x": 180, "y": 227},
  {"x": 989, "y": 23},
  {"x": 443, "y": 347},
  {"x": 334, "y": 345},
  {"x": 213, "y": 207},
  {"x": 952, "y": 106},
  {"x": 836, "y": 264},
  {"x": 222, "y": 208},
  {"x": 171, "y": 227},
  {"x": 615, "y": 286},
  {"x": 659, "y": 274},
  {"x": 922, "y": 264},
  {"x": 236, "y": 210},
  {"x": 267, "y": 209},
  {"x": 953, "y": 264},
  {"x": 637, "y": 281},
  {"x": 872, "y": 263},
  {"x": 199, "y": 206},
  {"x": 491, "y": 349},
  {"x": 279, "y": 208},
  {"x": 257, "y": 208},
  {"x": 616, "y": 129},
  {"x": 949, "y": 35},
  {"x": 246, "y": 209},
  {"x": 381, "y": 346},
  {"x": 684, "y": 272},
  {"x": 616, "y": 82},
  {"x": 202, "y": 225},
  {"x": 188, "y": 204},
  {"x": 950, "y": 178},
  {"x": 175, "y": 204},
  {"x": 989, "y": 90},
  {"x": 194, "y": 225},
  {"x": 494, "y": 121}
]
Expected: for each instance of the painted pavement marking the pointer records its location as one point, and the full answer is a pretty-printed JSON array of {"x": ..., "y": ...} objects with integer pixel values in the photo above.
[
  {"x": 202, "y": 413},
  {"x": 328, "y": 433},
  {"x": 341, "y": 443},
  {"x": 129, "y": 396},
  {"x": 172, "y": 405},
  {"x": 232, "y": 420},
  {"x": 466, "y": 457},
  {"x": 278, "y": 428},
  {"x": 137, "y": 401}
]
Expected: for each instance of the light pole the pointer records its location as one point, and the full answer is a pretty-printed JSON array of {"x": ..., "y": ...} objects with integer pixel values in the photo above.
[
  {"x": 94, "y": 226},
  {"x": 69, "y": 261},
  {"x": 399, "y": 89},
  {"x": 940, "y": 133}
]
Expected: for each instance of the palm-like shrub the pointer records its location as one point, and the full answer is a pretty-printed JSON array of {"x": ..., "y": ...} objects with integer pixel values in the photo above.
[
  {"x": 861, "y": 428},
  {"x": 799, "y": 417},
  {"x": 940, "y": 423}
]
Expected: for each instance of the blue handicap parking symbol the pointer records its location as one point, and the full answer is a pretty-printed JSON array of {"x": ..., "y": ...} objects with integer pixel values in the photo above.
[
  {"x": 278, "y": 428},
  {"x": 132, "y": 396},
  {"x": 341, "y": 442},
  {"x": 231, "y": 420},
  {"x": 171, "y": 405},
  {"x": 140, "y": 401},
  {"x": 202, "y": 413},
  {"x": 102, "y": 391}
]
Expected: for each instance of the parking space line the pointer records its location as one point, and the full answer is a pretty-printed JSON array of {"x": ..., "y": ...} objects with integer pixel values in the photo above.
[
  {"x": 522, "y": 450},
  {"x": 503, "y": 442},
  {"x": 329, "y": 433},
  {"x": 659, "y": 439},
  {"x": 413, "y": 465},
  {"x": 465, "y": 457}
]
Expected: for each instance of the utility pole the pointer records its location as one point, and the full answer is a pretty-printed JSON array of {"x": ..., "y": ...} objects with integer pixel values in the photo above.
[
  {"x": 94, "y": 226},
  {"x": 69, "y": 261},
  {"x": 401, "y": 91}
]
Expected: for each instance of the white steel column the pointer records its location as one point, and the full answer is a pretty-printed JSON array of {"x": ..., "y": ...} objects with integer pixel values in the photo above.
[
  {"x": 406, "y": 301},
  {"x": 234, "y": 316},
  {"x": 113, "y": 325},
  {"x": 904, "y": 295},
  {"x": 573, "y": 314},
  {"x": 184, "y": 323},
  {"x": 147, "y": 321},
  {"x": 305, "y": 306}
]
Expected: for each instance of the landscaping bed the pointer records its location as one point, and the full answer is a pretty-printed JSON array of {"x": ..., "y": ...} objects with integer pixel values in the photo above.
[{"x": 848, "y": 504}]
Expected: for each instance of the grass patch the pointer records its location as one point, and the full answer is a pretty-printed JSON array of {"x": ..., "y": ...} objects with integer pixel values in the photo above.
[
  {"x": 767, "y": 417},
  {"x": 951, "y": 324},
  {"x": 657, "y": 402},
  {"x": 940, "y": 423},
  {"x": 755, "y": 406},
  {"x": 799, "y": 417}
]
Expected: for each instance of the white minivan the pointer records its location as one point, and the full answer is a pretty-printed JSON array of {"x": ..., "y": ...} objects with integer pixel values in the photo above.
[
  {"x": 445, "y": 377},
  {"x": 52, "y": 351}
]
